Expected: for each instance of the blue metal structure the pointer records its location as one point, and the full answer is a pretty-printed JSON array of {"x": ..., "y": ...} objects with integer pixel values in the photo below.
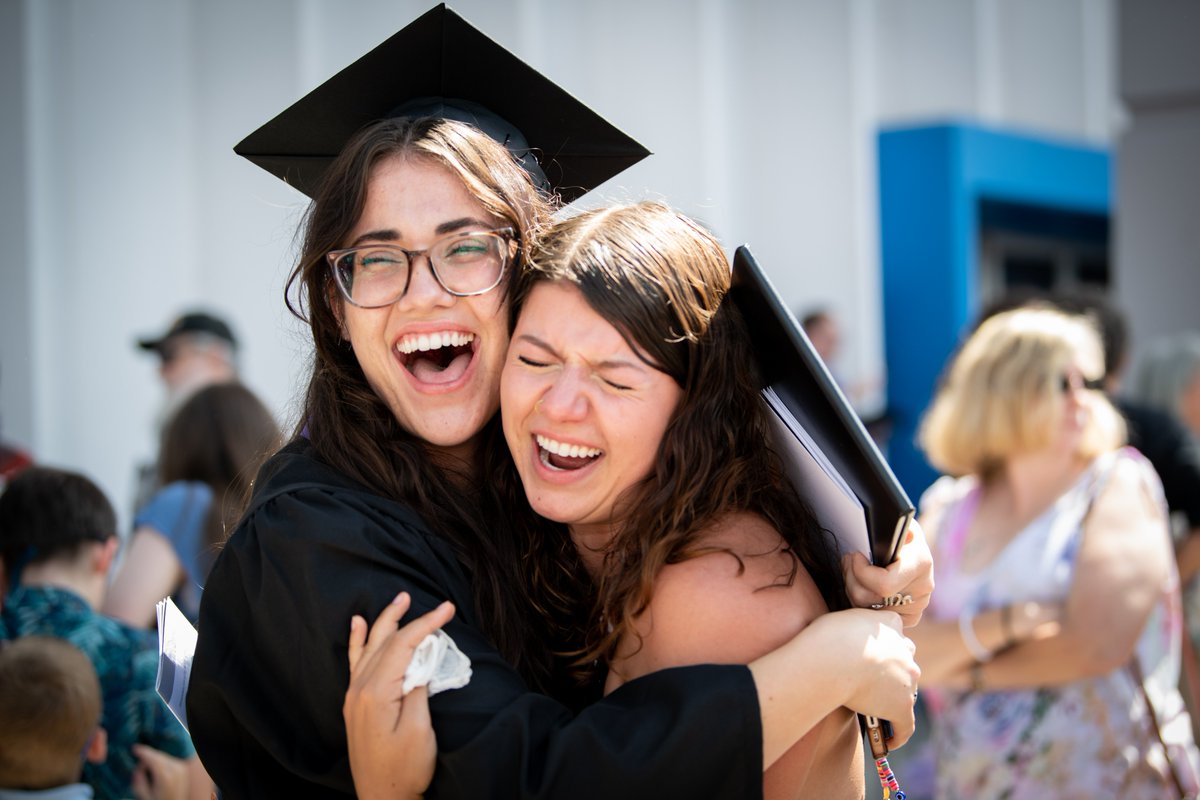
[{"x": 932, "y": 181}]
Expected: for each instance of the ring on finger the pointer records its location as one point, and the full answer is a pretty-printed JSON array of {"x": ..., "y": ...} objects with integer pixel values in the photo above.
[{"x": 897, "y": 599}]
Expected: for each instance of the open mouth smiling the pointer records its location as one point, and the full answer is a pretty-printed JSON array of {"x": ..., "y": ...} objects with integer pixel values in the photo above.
[
  {"x": 558, "y": 455},
  {"x": 438, "y": 356}
]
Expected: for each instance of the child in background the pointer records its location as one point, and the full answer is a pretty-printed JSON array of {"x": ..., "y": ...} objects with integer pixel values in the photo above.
[
  {"x": 49, "y": 719},
  {"x": 58, "y": 536}
]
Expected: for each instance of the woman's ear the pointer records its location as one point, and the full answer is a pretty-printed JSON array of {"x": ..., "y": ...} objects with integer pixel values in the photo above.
[{"x": 334, "y": 298}]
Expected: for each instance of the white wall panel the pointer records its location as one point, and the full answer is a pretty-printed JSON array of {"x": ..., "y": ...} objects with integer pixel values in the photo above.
[
  {"x": 927, "y": 59},
  {"x": 1043, "y": 65}
]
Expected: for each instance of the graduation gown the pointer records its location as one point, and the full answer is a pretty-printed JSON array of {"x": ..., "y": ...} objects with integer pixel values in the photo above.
[{"x": 270, "y": 671}]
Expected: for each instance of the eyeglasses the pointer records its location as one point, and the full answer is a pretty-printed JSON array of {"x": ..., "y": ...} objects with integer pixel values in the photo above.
[
  {"x": 464, "y": 264},
  {"x": 1074, "y": 380}
]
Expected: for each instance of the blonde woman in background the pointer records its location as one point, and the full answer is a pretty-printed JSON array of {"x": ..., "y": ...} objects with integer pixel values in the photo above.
[{"x": 1058, "y": 596}]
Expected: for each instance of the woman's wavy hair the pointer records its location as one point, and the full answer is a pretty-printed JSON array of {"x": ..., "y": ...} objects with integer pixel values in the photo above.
[
  {"x": 1002, "y": 393},
  {"x": 352, "y": 429},
  {"x": 659, "y": 278},
  {"x": 220, "y": 436}
]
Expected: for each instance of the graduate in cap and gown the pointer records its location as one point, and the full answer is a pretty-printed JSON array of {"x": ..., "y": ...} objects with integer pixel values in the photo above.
[{"x": 398, "y": 477}]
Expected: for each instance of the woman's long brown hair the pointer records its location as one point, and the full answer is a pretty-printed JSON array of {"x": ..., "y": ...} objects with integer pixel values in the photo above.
[
  {"x": 219, "y": 436},
  {"x": 659, "y": 279}
]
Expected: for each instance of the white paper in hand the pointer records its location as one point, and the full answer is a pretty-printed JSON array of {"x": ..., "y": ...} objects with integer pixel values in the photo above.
[
  {"x": 176, "y": 645},
  {"x": 439, "y": 664}
]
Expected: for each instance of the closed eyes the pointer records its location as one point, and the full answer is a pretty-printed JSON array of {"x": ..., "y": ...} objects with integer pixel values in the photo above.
[{"x": 529, "y": 362}]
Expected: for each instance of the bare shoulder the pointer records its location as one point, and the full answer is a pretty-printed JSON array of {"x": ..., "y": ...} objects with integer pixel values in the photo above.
[
  {"x": 747, "y": 559},
  {"x": 742, "y": 536},
  {"x": 1134, "y": 469},
  {"x": 1131, "y": 491},
  {"x": 945, "y": 492},
  {"x": 1126, "y": 530},
  {"x": 719, "y": 608},
  {"x": 743, "y": 532}
]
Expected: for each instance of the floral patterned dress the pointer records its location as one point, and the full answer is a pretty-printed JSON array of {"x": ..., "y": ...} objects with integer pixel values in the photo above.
[{"x": 1092, "y": 738}]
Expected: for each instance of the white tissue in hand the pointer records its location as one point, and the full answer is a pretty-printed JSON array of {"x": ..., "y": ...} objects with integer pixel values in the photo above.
[{"x": 439, "y": 664}]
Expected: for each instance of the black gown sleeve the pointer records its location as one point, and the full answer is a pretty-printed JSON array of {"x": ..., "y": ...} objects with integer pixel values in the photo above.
[{"x": 270, "y": 674}]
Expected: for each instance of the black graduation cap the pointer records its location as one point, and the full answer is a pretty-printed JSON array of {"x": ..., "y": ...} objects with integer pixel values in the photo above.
[{"x": 440, "y": 65}]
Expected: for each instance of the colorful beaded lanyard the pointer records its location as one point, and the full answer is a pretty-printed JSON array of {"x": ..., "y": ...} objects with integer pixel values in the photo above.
[
  {"x": 877, "y": 739},
  {"x": 887, "y": 779}
]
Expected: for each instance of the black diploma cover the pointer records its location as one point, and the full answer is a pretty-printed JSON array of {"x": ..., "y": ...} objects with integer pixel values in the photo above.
[{"x": 857, "y": 483}]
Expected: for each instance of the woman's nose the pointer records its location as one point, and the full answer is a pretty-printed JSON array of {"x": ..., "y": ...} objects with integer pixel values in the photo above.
[
  {"x": 423, "y": 288},
  {"x": 565, "y": 399}
]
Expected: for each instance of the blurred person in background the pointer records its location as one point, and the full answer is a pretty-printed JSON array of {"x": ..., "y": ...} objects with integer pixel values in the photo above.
[
  {"x": 197, "y": 349},
  {"x": 211, "y": 449},
  {"x": 49, "y": 719},
  {"x": 825, "y": 333},
  {"x": 58, "y": 537},
  {"x": 1051, "y": 650},
  {"x": 1155, "y": 430},
  {"x": 50, "y": 726},
  {"x": 1166, "y": 386},
  {"x": 1168, "y": 378}
]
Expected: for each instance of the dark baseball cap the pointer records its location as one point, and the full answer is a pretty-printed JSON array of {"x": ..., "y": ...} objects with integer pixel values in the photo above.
[
  {"x": 441, "y": 66},
  {"x": 192, "y": 322}
]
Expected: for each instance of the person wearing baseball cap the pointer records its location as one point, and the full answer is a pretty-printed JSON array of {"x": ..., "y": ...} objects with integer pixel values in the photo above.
[{"x": 196, "y": 350}]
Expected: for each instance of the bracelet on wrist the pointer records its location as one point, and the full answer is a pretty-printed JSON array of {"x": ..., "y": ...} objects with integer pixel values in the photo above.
[{"x": 966, "y": 628}]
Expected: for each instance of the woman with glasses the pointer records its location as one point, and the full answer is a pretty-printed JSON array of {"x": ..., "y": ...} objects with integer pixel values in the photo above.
[{"x": 1058, "y": 599}]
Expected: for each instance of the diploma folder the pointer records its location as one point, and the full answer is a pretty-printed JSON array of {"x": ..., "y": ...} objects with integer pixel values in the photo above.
[{"x": 831, "y": 459}]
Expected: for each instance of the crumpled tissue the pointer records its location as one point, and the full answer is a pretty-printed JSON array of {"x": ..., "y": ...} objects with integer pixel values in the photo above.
[{"x": 439, "y": 664}]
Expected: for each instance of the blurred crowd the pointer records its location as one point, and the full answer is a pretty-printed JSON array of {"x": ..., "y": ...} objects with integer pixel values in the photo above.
[{"x": 79, "y": 711}]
